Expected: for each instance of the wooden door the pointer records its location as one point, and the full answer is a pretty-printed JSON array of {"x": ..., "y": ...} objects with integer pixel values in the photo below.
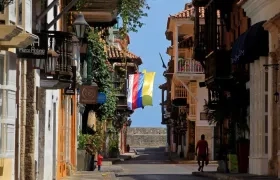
[{"x": 61, "y": 164}]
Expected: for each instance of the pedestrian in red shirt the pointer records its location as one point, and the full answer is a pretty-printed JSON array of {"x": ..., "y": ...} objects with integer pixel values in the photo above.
[
  {"x": 202, "y": 154},
  {"x": 99, "y": 161}
]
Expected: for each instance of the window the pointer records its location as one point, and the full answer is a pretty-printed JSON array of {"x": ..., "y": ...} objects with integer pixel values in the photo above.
[{"x": 8, "y": 108}]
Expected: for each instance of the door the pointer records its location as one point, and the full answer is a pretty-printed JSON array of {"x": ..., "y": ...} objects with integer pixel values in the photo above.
[{"x": 61, "y": 167}]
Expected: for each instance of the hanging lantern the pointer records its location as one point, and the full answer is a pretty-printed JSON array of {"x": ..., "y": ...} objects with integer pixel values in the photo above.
[
  {"x": 51, "y": 63},
  {"x": 80, "y": 25}
]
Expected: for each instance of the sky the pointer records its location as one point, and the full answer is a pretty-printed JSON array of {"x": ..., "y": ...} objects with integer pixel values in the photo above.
[{"x": 147, "y": 43}]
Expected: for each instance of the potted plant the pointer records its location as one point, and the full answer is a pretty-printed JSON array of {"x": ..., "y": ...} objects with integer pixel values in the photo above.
[{"x": 243, "y": 144}]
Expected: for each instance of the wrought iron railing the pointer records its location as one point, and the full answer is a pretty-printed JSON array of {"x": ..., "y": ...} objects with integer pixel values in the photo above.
[{"x": 189, "y": 66}]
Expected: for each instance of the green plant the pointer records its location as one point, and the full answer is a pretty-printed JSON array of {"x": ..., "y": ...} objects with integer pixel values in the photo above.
[
  {"x": 131, "y": 12},
  {"x": 93, "y": 142},
  {"x": 100, "y": 72},
  {"x": 83, "y": 139},
  {"x": 114, "y": 143}
]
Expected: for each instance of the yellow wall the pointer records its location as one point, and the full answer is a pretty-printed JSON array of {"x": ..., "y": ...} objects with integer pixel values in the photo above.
[{"x": 6, "y": 168}]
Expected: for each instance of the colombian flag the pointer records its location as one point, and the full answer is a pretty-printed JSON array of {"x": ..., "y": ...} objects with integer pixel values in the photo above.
[{"x": 140, "y": 90}]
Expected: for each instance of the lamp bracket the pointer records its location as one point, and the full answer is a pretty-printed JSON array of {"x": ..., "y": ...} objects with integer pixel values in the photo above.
[{"x": 274, "y": 66}]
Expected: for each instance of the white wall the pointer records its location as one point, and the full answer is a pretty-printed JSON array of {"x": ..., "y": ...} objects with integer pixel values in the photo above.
[
  {"x": 51, "y": 126},
  {"x": 260, "y": 10}
]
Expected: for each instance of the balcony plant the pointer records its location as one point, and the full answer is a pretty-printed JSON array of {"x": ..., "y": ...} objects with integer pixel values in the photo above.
[{"x": 100, "y": 72}]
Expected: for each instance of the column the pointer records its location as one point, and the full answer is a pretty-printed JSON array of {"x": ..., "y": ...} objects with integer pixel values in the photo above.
[
  {"x": 273, "y": 154},
  {"x": 175, "y": 46},
  {"x": 29, "y": 159},
  {"x": 252, "y": 116}
]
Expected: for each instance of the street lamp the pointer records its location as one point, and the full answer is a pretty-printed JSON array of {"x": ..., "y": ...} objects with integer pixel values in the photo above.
[
  {"x": 80, "y": 25},
  {"x": 275, "y": 67}
]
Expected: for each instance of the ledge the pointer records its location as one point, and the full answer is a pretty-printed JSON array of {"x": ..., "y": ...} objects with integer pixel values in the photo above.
[
  {"x": 21, "y": 41},
  {"x": 7, "y": 32}
]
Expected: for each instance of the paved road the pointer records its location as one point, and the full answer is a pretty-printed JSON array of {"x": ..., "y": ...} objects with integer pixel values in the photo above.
[{"x": 153, "y": 165}]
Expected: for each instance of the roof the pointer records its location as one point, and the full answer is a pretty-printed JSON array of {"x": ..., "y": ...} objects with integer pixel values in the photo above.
[
  {"x": 188, "y": 13},
  {"x": 115, "y": 53}
]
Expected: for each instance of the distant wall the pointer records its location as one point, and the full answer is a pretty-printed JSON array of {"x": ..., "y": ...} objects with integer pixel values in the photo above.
[{"x": 146, "y": 137}]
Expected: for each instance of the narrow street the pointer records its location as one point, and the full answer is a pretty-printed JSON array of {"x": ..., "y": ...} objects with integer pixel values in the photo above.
[{"x": 152, "y": 164}]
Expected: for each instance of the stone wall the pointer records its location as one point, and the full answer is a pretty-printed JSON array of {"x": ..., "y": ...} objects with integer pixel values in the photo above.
[{"x": 146, "y": 137}]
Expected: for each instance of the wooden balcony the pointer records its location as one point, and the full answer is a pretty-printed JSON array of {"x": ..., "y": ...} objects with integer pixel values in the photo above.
[
  {"x": 120, "y": 87},
  {"x": 218, "y": 66},
  {"x": 58, "y": 73},
  {"x": 189, "y": 66},
  {"x": 122, "y": 103},
  {"x": 16, "y": 27},
  {"x": 98, "y": 10}
]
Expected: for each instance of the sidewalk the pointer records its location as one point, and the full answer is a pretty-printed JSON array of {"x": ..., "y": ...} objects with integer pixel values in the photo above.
[
  {"x": 91, "y": 175},
  {"x": 108, "y": 170},
  {"x": 231, "y": 176}
]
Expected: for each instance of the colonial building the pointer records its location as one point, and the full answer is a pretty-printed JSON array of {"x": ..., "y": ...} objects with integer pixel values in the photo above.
[
  {"x": 187, "y": 100},
  {"x": 242, "y": 61}
]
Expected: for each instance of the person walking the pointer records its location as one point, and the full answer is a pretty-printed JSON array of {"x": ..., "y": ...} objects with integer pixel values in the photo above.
[{"x": 201, "y": 152}]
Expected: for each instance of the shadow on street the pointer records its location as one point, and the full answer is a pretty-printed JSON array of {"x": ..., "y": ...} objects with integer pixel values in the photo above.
[
  {"x": 148, "y": 156},
  {"x": 159, "y": 177}
]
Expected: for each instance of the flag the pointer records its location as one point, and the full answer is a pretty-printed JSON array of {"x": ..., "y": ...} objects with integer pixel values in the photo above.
[{"x": 140, "y": 90}]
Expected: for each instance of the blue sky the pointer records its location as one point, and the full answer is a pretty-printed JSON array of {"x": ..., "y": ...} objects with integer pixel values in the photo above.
[{"x": 147, "y": 43}]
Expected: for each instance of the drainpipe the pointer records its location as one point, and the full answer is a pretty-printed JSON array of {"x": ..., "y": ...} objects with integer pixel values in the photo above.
[
  {"x": 23, "y": 71},
  {"x": 17, "y": 134}
]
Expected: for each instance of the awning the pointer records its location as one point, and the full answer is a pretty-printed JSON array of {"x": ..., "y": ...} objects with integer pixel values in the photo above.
[{"x": 250, "y": 45}]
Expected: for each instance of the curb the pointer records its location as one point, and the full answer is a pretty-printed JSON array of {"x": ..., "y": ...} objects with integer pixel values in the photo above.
[
  {"x": 215, "y": 176},
  {"x": 192, "y": 162}
]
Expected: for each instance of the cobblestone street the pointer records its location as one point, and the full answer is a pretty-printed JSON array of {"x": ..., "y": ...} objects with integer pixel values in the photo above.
[{"x": 152, "y": 164}]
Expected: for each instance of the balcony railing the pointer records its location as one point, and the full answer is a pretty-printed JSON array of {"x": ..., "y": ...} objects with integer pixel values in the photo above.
[
  {"x": 189, "y": 66},
  {"x": 120, "y": 86}
]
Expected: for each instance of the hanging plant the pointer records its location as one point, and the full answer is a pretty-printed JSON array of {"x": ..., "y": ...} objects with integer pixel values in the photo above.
[
  {"x": 131, "y": 13},
  {"x": 101, "y": 74}
]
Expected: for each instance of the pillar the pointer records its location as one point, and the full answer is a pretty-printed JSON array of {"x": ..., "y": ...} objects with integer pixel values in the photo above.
[
  {"x": 175, "y": 47},
  {"x": 273, "y": 115},
  {"x": 29, "y": 158},
  {"x": 23, "y": 66}
]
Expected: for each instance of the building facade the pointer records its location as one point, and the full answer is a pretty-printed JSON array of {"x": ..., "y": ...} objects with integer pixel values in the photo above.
[{"x": 186, "y": 96}]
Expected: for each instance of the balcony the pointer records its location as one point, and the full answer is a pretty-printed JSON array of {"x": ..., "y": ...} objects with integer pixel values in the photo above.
[
  {"x": 120, "y": 86},
  {"x": 98, "y": 10},
  {"x": 218, "y": 66},
  {"x": 189, "y": 66},
  {"x": 122, "y": 103},
  {"x": 16, "y": 25},
  {"x": 58, "y": 70}
]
